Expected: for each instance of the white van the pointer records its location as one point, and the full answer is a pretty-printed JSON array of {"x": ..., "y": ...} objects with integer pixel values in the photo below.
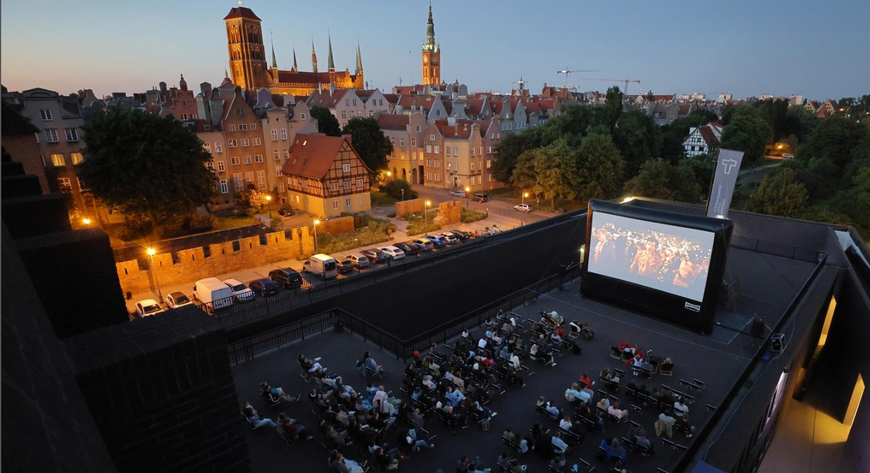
[
  {"x": 213, "y": 293},
  {"x": 322, "y": 265}
]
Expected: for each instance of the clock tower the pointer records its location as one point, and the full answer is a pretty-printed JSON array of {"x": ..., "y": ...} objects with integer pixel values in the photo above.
[{"x": 431, "y": 54}]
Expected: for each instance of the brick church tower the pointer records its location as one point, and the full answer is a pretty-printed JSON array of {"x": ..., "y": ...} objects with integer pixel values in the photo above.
[
  {"x": 247, "y": 52},
  {"x": 431, "y": 54}
]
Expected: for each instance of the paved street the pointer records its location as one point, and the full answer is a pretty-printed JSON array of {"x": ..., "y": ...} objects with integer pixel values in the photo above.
[{"x": 495, "y": 207}]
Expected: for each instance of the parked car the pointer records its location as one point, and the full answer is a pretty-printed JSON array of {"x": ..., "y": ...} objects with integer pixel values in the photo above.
[
  {"x": 451, "y": 238},
  {"x": 263, "y": 287},
  {"x": 424, "y": 243},
  {"x": 359, "y": 261},
  {"x": 460, "y": 234},
  {"x": 408, "y": 247},
  {"x": 241, "y": 293},
  {"x": 788, "y": 156},
  {"x": 458, "y": 193},
  {"x": 393, "y": 252},
  {"x": 288, "y": 277},
  {"x": 322, "y": 265},
  {"x": 523, "y": 208},
  {"x": 148, "y": 307},
  {"x": 345, "y": 266},
  {"x": 285, "y": 212},
  {"x": 480, "y": 197},
  {"x": 436, "y": 240},
  {"x": 177, "y": 299},
  {"x": 374, "y": 255},
  {"x": 213, "y": 293}
]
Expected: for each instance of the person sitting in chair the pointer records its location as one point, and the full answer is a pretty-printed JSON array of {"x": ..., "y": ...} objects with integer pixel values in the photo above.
[
  {"x": 308, "y": 365},
  {"x": 275, "y": 395},
  {"x": 606, "y": 376}
]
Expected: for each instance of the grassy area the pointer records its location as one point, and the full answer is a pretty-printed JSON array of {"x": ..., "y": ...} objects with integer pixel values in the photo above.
[
  {"x": 469, "y": 215},
  {"x": 416, "y": 224},
  {"x": 381, "y": 199},
  {"x": 375, "y": 231},
  {"x": 507, "y": 194},
  {"x": 223, "y": 223}
]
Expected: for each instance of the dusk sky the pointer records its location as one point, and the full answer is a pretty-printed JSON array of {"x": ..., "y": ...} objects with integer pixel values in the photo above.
[{"x": 814, "y": 48}]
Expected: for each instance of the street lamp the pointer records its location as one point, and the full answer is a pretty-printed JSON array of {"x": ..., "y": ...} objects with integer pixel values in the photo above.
[
  {"x": 525, "y": 194},
  {"x": 151, "y": 252},
  {"x": 426, "y": 212},
  {"x": 86, "y": 221},
  {"x": 389, "y": 174},
  {"x": 316, "y": 222},
  {"x": 403, "y": 194},
  {"x": 269, "y": 202},
  {"x": 467, "y": 190}
]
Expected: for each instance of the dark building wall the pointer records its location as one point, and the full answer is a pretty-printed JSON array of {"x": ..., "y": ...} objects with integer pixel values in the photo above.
[
  {"x": 46, "y": 424},
  {"x": 74, "y": 274},
  {"x": 162, "y": 394}
]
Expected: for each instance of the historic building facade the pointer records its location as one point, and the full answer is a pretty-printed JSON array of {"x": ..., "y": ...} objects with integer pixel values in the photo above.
[
  {"x": 431, "y": 54},
  {"x": 249, "y": 69}
]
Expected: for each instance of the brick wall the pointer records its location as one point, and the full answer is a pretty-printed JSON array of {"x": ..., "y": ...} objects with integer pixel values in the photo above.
[
  {"x": 25, "y": 150},
  {"x": 336, "y": 226},
  {"x": 192, "y": 264},
  {"x": 410, "y": 206},
  {"x": 449, "y": 212},
  {"x": 162, "y": 395}
]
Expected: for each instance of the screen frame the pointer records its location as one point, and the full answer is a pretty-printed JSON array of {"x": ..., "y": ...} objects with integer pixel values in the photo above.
[{"x": 650, "y": 301}]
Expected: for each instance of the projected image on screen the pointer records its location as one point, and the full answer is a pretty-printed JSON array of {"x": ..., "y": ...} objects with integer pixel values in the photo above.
[{"x": 664, "y": 257}]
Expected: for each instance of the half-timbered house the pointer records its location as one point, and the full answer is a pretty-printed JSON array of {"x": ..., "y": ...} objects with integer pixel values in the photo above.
[{"x": 325, "y": 176}]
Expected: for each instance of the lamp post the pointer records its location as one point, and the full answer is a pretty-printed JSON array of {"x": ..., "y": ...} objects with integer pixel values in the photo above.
[
  {"x": 403, "y": 195},
  {"x": 269, "y": 203},
  {"x": 151, "y": 252},
  {"x": 525, "y": 194},
  {"x": 467, "y": 196},
  {"x": 426, "y": 212},
  {"x": 86, "y": 221},
  {"x": 316, "y": 222},
  {"x": 389, "y": 174}
]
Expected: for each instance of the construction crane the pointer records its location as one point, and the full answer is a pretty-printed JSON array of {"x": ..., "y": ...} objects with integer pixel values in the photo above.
[
  {"x": 568, "y": 72},
  {"x": 624, "y": 81}
]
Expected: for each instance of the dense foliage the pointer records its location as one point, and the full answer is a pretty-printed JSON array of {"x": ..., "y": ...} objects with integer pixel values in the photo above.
[{"x": 369, "y": 142}]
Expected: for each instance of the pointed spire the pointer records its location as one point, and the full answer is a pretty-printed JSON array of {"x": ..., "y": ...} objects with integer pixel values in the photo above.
[
  {"x": 274, "y": 60},
  {"x": 295, "y": 66},
  {"x": 330, "y": 62},
  {"x": 313, "y": 55},
  {"x": 226, "y": 74},
  {"x": 359, "y": 66}
]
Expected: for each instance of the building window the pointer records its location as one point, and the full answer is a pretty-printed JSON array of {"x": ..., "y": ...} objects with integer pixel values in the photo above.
[
  {"x": 45, "y": 115},
  {"x": 280, "y": 187},
  {"x": 418, "y": 130},
  {"x": 225, "y": 189},
  {"x": 472, "y": 166},
  {"x": 234, "y": 161},
  {"x": 238, "y": 184},
  {"x": 72, "y": 134},
  {"x": 64, "y": 185},
  {"x": 243, "y": 127},
  {"x": 77, "y": 158},
  {"x": 437, "y": 149},
  {"x": 428, "y": 176},
  {"x": 359, "y": 182},
  {"x": 361, "y": 200},
  {"x": 249, "y": 176},
  {"x": 472, "y": 151},
  {"x": 240, "y": 112},
  {"x": 246, "y": 159},
  {"x": 253, "y": 127},
  {"x": 210, "y": 166},
  {"x": 437, "y": 163},
  {"x": 343, "y": 115},
  {"x": 488, "y": 163},
  {"x": 261, "y": 180},
  {"x": 414, "y": 142},
  {"x": 274, "y": 135},
  {"x": 232, "y": 143},
  {"x": 371, "y": 113},
  {"x": 347, "y": 185},
  {"x": 428, "y": 148},
  {"x": 347, "y": 202},
  {"x": 246, "y": 142},
  {"x": 232, "y": 127},
  {"x": 437, "y": 177},
  {"x": 217, "y": 147},
  {"x": 447, "y": 150},
  {"x": 286, "y": 154},
  {"x": 354, "y": 102},
  {"x": 302, "y": 116},
  {"x": 258, "y": 158},
  {"x": 51, "y": 135},
  {"x": 431, "y": 137},
  {"x": 345, "y": 167},
  {"x": 489, "y": 150},
  {"x": 220, "y": 166},
  {"x": 257, "y": 142},
  {"x": 449, "y": 165},
  {"x": 82, "y": 186},
  {"x": 275, "y": 155},
  {"x": 58, "y": 160},
  {"x": 278, "y": 172},
  {"x": 401, "y": 142},
  {"x": 334, "y": 187},
  {"x": 207, "y": 147},
  {"x": 283, "y": 133},
  {"x": 335, "y": 204},
  {"x": 393, "y": 141}
]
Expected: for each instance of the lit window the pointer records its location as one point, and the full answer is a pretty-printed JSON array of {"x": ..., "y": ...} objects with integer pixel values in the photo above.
[
  {"x": 58, "y": 160},
  {"x": 64, "y": 185},
  {"x": 77, "y": 158}
]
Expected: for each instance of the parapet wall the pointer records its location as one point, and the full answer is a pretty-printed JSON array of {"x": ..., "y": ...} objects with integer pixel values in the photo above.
[{"x": 193, "y": 264}]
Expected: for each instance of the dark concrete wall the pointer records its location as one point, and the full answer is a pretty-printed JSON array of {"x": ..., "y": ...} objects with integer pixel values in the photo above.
[
  {"x": 46, "y": 424},
  {"x": 162, "y": 394}
]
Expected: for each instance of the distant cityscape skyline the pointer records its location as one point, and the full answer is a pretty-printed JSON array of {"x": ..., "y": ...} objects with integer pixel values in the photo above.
[{"x": 750, "y": 50}]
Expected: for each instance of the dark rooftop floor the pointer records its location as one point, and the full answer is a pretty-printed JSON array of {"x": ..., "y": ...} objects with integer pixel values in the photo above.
[{"x": 769, "y": 284}]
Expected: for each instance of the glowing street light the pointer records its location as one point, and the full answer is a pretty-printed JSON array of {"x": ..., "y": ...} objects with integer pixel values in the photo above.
[
  {"x": 269, "y": 202},
  {"x": 467, "y": 196},
  {"x": 316, "y": 222},
  {"x": 86, "y": 221},
  {"x": 151, "y": 252},
  {"x": 525, "y": 194},
  {"x": 426, "y": 211}
]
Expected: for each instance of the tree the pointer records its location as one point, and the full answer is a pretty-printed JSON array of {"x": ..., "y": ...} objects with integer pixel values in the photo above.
[
  {"x": 599, "y": 168},
  {"x": 778, "y": 194},
  {"x": 510, "y": 149},
  {"x": 835, "y": 139},
  {"x": 702, "y": 166},
  {"x": 250, "y": 201},
  {"x": 556, "y": 167},
  {"x": 146, "y": 165},
  {"x": 650, "y": 97},
  {"x": 675, "y": 132},
  {"x": 613, "y": 105},
  {"x": 747, "y": 133},
  {"x": 326, "y": 121},
  {"x": 395, "y": 187},
  {"x": 658, "y": 179},
  {"x": 638, "y": 139},
  {"x": 369, "y": 142},
  {"x": 573, "y": 124},
  {"x": 524, "y": 176}
]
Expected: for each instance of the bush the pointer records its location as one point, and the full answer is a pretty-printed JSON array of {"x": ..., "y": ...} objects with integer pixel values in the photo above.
[
  {"x": 417, "y": 225},
  {"x": 391, "y": 215},
  {"x": 187, "y": 225},
  {"x": 133, "y": 229},
  {"x": 469, "y": 215},
  {"x": 375, "y": 230},
  {"x": 394, "y": 189}
]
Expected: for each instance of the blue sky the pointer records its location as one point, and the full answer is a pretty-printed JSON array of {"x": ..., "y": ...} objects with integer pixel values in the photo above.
[{"x": 818, "y": 49}]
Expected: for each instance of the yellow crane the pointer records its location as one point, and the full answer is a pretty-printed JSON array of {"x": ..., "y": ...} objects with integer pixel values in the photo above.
[{"x": 624, "y": 81}]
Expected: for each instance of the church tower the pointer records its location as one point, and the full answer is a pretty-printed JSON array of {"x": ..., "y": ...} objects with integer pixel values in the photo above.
[
  {"x": 246, "y": 49},
  {"x": 431, "y": 54}
]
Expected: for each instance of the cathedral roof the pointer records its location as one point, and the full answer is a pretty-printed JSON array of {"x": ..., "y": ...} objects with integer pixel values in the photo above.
[{"x": 241, "y": 12}]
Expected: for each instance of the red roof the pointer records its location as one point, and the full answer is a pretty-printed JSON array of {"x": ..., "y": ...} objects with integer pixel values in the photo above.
[
  {"x": 393, "y": 122},
  {"x": 241, "y": 12},
  {"x": 392, "y": 98},
  {"x": 311, "y": 156},
  {"x": 709, "y": 136},
  {"x": 461, "y": 129},
  {"x": 326, "y": 100},
  {"x": 474, "y": 106},
  {"x": 423, "y": 102}
]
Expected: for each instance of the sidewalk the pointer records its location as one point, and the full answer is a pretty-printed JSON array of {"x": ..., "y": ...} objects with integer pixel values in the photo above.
[{"x": 400, "y": 235}]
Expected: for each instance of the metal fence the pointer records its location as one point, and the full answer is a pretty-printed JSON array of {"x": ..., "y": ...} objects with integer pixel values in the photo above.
[
  {"x": 252, "y": 347},
  {"x": 777, "y": 249}
]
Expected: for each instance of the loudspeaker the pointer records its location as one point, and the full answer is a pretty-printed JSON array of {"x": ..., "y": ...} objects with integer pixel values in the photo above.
[
  {"x": 777, "y": 342},
  {"x": 729, "y": 292},
  {"x": 757, "y": 327}
]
